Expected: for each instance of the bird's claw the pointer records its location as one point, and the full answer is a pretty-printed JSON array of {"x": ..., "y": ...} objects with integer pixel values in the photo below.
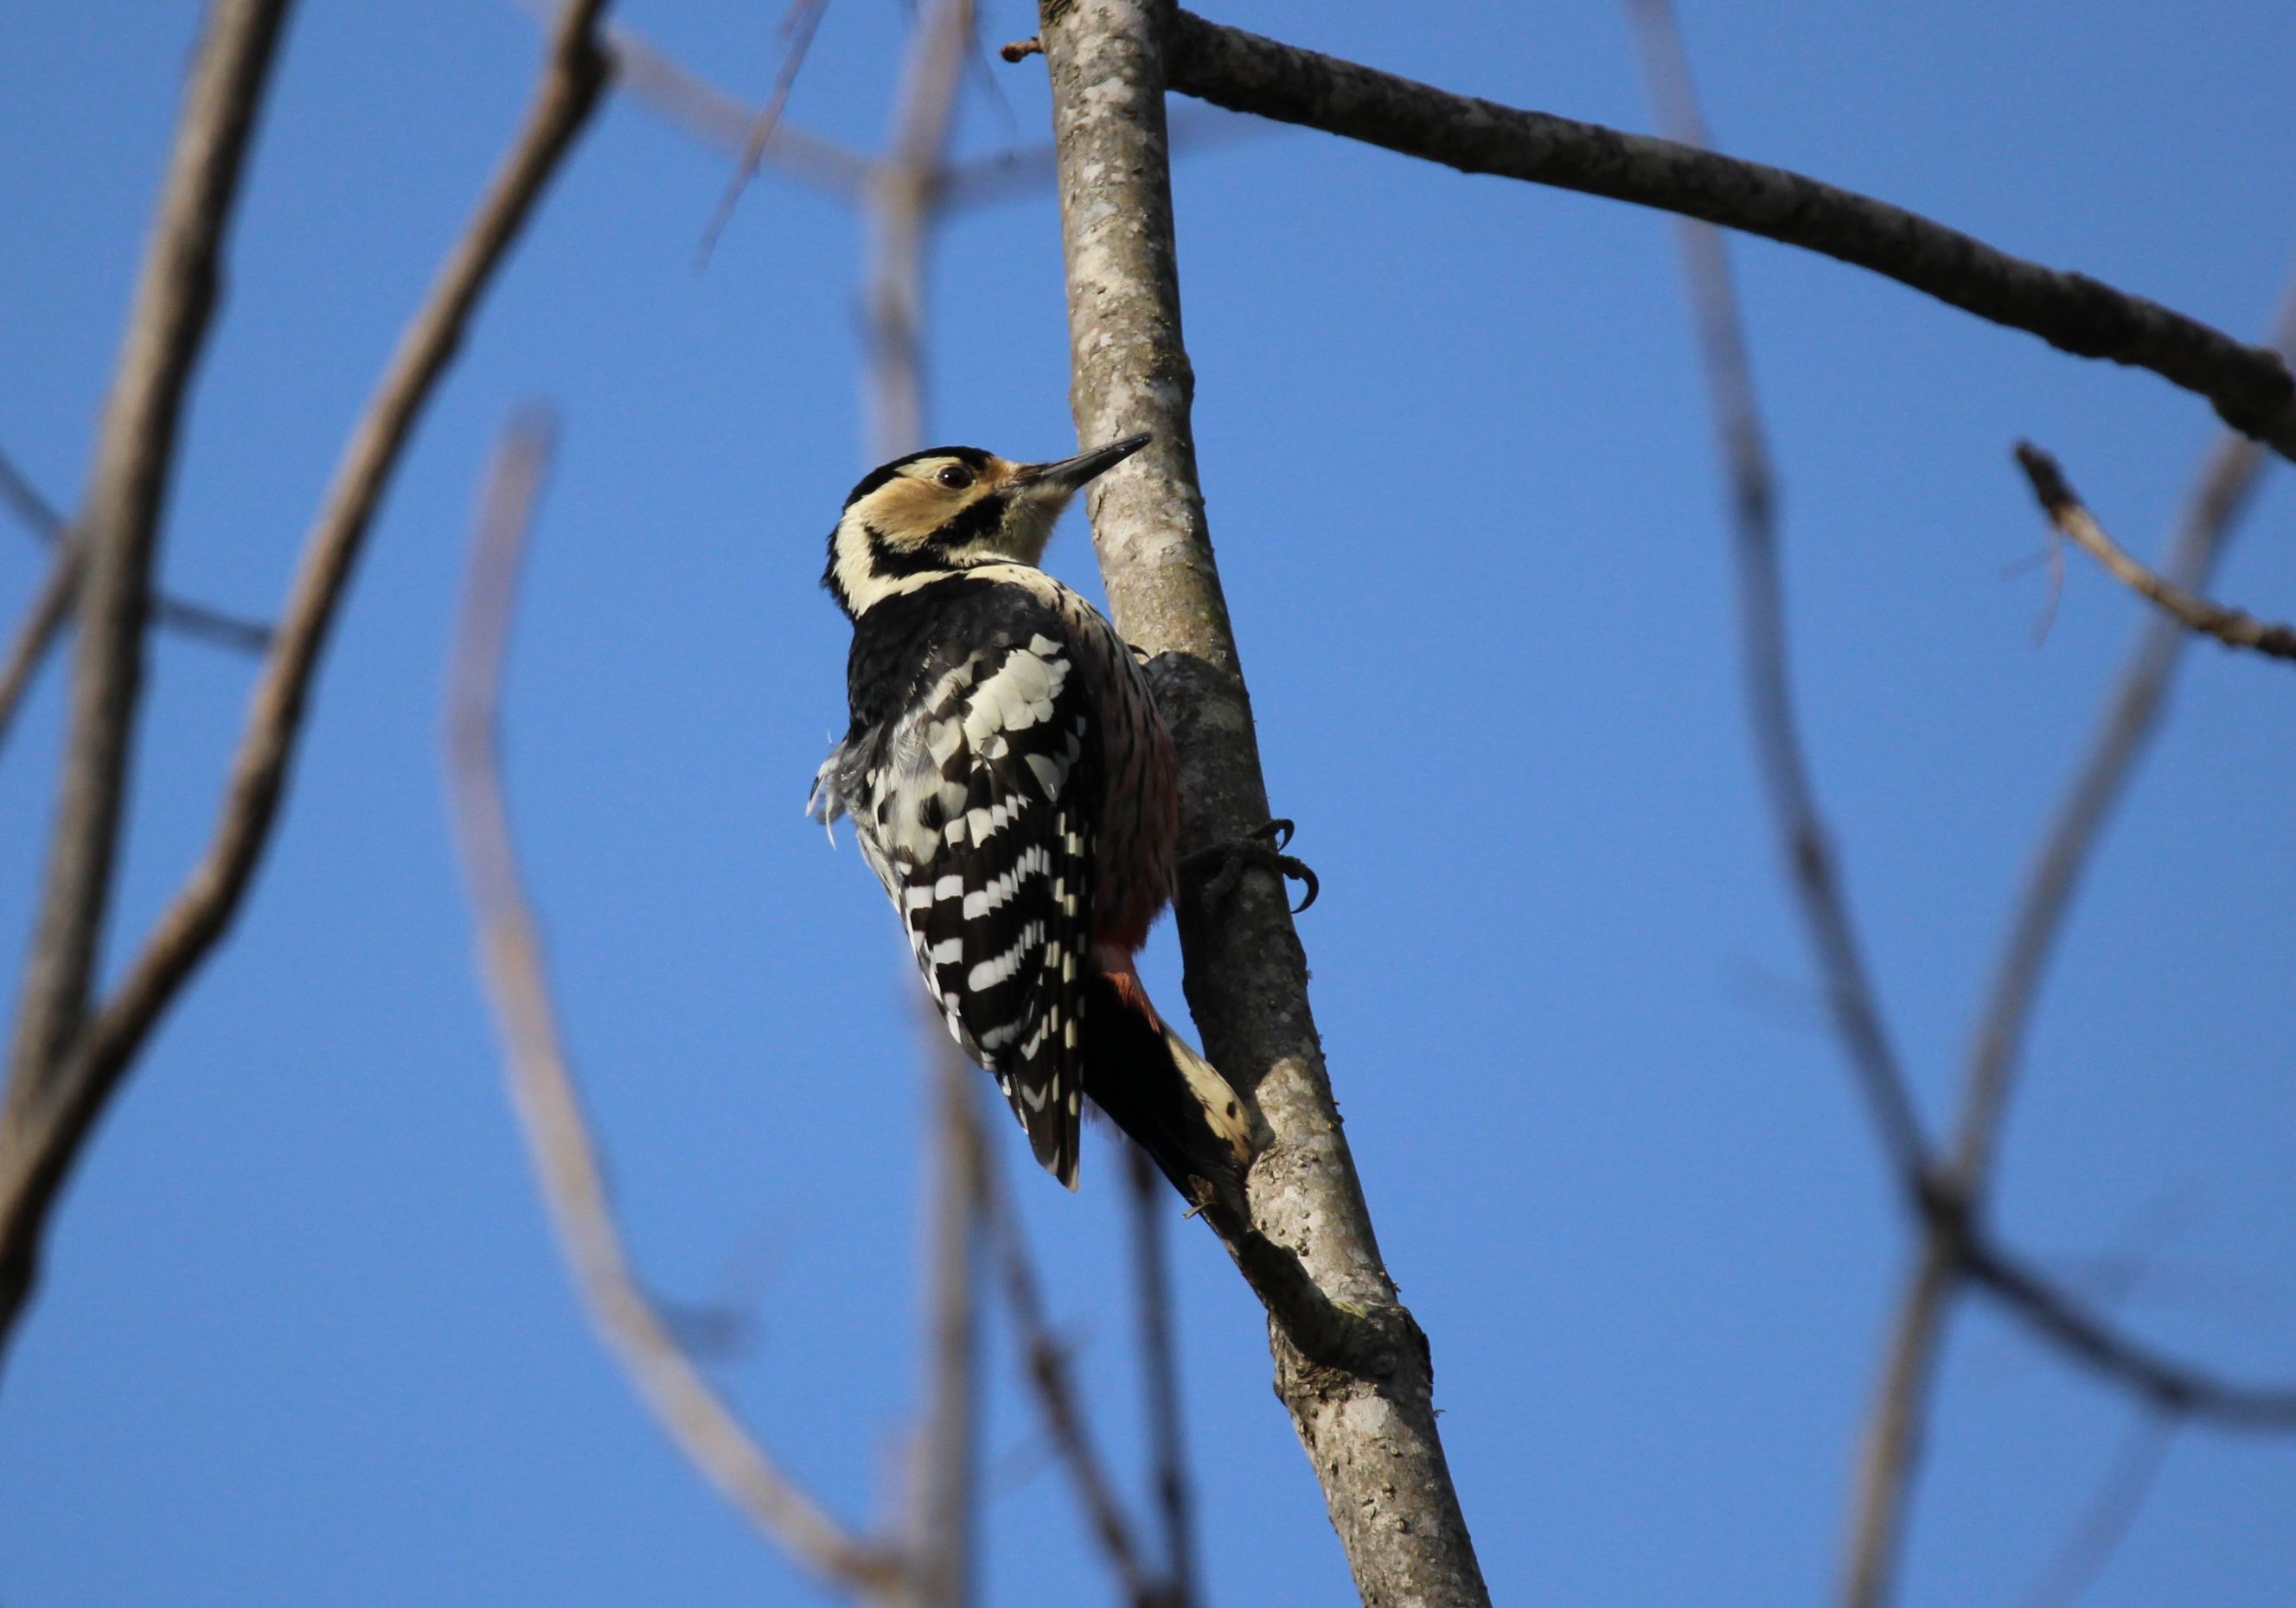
[{"x": 1261, "y": 848}]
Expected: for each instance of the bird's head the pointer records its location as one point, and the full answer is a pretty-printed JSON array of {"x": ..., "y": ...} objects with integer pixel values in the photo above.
[{"x": 951, "y": 508}]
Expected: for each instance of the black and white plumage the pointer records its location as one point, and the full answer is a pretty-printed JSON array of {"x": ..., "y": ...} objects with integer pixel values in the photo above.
[{"x": 1014, "y": 788}]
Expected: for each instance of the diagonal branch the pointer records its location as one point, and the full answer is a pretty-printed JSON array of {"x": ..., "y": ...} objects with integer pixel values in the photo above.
[
  {"x": 174, "y": 303},
  {"x": 566, "y": 1164},
  {"x": 2072, "y": 519},
  {"x": 40, "y": 1139},
  {"x": 1364, "y": 1409},
  {"x": 2220, "y": 494},
  {"x": 1047, "y": 1361},
  {"x": 1802, "y": 835},
  {"x": 44, "y": 623},
  {"x": 167, "y": 327},
  {"x": 1161, "y": 1362},
  {"x": 798, "y": 29},
  {"x": 196, "y": 620},
  {"x": 689, "y": 102},
  {"x": 1954, "y": 1245},
  {"x": 2249, "y": 386}
]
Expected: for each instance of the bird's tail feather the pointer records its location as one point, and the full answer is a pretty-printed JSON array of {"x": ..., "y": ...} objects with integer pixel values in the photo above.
[{"x": 1172, "y": 1102}]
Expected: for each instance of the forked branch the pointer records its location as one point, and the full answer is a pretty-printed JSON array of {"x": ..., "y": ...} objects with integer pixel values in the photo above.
[{"x": 42, "y": 1137}]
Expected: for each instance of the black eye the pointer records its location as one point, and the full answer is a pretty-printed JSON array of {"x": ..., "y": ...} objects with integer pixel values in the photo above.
[{"x": 956, "y": 476}]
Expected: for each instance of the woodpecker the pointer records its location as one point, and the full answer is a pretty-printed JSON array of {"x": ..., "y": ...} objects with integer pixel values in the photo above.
[{"x": 1014, "y": 788}]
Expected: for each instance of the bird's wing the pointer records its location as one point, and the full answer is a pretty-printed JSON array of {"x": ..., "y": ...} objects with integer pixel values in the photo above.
[{"x": 980, "y": 827}]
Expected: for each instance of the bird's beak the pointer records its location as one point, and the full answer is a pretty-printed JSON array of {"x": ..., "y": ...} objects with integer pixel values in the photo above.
[{"x": 1060, "y": 478}]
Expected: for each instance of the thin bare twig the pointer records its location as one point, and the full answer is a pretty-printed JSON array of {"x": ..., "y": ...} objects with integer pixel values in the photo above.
[
  {"x": 797, "y": 30},
  {"x": 688, "y": 101},
  {"x": 566, "y": 1165},
  {"x": 1047, "y": 1362},
  {"x": 166, "y": 328},
  {"x": 39, "y": 516},
  {"x": 944, "y": 1504},
  {"x": 40, "y": 1139},
  {"x": 1159, "y": 1362},
  {"x": 2249, "y": 386},
  {"x": 2111, "y": 1514},
  {"x": 1954, "y": 1245},
  {"x": 44, "y": 623},
  {"x": 2220, "y": 494},
  {"x": 1784, "y": 769},
  {"x": 904, "y": 206},
  {"x": 2071, "y": 516}
]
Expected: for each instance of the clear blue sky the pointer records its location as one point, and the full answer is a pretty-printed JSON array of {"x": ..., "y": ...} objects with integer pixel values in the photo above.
[{"x": 303, "y": 1336}]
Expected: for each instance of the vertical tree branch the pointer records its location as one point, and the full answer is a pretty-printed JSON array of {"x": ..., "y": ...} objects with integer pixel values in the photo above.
[
  {"x": 1766, "y": 658},
  {"x": 944, "y": 1508},
  {"x": 42, "y": 1131},
  {"x": 1161, "y": 1364},
  {"x": 175, "y": 299},
  {"x": 1047, "y": 1363},
  {"x": 903, "y": 205},
  {"x": 557, "y": 1131},
  {"x": 1366, "y": 1419}
]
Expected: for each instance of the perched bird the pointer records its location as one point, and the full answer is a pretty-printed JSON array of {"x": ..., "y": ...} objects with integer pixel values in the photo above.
[{"x": 1016, "y": 790}]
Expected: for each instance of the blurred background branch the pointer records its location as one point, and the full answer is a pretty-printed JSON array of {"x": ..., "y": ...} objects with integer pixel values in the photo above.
[{"x": 1947, "y": 1199}]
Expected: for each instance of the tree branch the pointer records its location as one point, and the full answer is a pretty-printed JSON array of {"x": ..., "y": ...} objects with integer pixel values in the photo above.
[
  {"x": 175, "y": 299},
  {"x": 903, "y": 202},
  {"x": 2111, "y": 1514},
  {"x": 44, "y": 623},
  {"x": 2249, "y": 386},
  {"x": 1954, "y": 1245},
  {"x": 194, "y": 620},
  {"x": 40, "y": 1139},
  {"x": 2220, "y": 494},
  {"x": 2071, "y": 517},
  {"x": 1159, "y": 1362},
  {"x": 798, "y": 28},
  {"x": 1365, "y": 1417},
  {"x": 942, "y": 1516},
  {"x": 1047, "y": 1364},
  {"x": 566, "y": 1166},
  {"x": 689, "y": 102},
  {"x": 1802, "y": 835}
]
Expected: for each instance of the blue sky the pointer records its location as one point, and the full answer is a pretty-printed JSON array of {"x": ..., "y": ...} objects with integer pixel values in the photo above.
[{"x": 303, "y": 1336}]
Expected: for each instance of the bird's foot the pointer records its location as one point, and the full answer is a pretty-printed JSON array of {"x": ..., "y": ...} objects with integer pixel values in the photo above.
[{"x": 1262, "y": 849}]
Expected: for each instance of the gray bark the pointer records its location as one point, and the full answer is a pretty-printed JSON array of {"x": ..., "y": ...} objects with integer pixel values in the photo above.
[{"x": 1351, "y": 1365}]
